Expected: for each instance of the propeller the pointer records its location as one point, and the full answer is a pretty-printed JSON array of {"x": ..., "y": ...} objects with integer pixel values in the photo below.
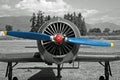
[
  {"x": 91, "y": 42},
  {"x": 58, "y": 38},
  {"x": 26, "y": 35}
]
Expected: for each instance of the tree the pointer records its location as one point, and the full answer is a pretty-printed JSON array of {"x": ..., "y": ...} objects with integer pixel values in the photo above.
[
  {"x": 54, "y": 16},
  {"x": 106, "y": 30},
  {"x": 83, "y": 28},
  {"x": 40, "y": 19},
  {"x": 8, "y": 27},
  {"x": 47, "y": 18},
  {"x": 79, "y": 15},
  {"x": 66, "y": 16},
  {"x": 37, "y": 21},
  {"x": 74, "y": 17},
  {"x": 71, "y": 17},
  {"x": 95, "y": 30},
  {"x": 78, "y": 21},
  {"x": 33, "y": 20},
  {"x": 116, "y": 32},
  {"x": 90, "y": 30}
]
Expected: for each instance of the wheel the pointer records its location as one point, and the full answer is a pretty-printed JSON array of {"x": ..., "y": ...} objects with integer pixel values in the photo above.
[
  {"x": 101, "y": 78},
  {"x": 37, "y": 55},
  {"x": 15, "y": 78}
]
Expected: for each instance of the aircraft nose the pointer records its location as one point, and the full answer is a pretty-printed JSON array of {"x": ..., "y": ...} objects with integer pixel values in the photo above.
[{"x": 58, "y": 38}]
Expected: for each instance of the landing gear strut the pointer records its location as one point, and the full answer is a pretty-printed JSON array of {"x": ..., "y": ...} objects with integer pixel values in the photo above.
[
  {"x": 107, "y": 70},
  {"x": 58, "y": 72},
  {"x": 9, "y": 71}
]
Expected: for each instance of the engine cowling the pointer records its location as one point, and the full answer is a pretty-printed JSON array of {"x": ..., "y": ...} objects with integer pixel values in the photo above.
[{"x": 57, "y": 50}]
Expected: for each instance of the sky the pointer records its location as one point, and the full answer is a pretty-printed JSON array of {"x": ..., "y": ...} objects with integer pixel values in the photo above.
[{"x": 94, "y": 11}]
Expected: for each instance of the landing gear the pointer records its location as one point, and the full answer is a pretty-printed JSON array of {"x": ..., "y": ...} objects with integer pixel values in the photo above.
[
  {"x": 9, "y": 71},
  {"x": 101, "y": 78},
  {"x": 107, "y": 71},
  {"x": 15, "y": 78},
  {"x": 58, "y": 72}
]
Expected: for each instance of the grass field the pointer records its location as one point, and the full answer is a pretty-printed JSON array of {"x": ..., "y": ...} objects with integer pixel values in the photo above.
[{"x": 87, "y": 70}]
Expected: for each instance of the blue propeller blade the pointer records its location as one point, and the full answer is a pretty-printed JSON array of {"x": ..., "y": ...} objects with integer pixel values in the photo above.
[
  {"x": 91, "y": 42},
  {"x": 28, "y": 35}
]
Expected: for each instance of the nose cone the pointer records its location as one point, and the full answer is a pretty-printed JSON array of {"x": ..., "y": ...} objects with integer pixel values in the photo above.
[{"x": 58, "y": 38}]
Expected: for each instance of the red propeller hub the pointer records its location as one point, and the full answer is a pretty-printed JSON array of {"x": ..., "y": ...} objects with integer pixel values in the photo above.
[{"x": 58, "y": 38}]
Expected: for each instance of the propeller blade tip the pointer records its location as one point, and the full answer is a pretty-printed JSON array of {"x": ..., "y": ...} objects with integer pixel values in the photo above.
[
  {"x": 3, "y": 33},
  {"x": 112, "y": 44}
]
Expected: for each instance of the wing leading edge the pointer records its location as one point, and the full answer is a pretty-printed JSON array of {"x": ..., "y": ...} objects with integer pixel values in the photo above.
[
  {"x": 19, "y": 57},
  {"x": 82, "y": 57},
  {"x": 97, "y": 57}
]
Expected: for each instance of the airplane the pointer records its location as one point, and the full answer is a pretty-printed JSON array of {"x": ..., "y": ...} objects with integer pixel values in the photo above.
[{"x": 58, "y": 41}]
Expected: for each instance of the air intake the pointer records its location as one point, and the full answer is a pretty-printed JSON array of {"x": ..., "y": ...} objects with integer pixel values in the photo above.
[{"x": 54, "y": 48}]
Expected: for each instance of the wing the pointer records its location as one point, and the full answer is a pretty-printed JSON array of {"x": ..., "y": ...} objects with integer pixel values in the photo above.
[
  {"x": 104, "y": 37},
  {"x": 97, "y": 57},
  {"x": 19, "y": 57}
]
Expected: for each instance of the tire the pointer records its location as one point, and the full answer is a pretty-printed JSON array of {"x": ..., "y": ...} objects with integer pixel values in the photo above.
[
  {"x": 101, "y": 78},
  {"x": 15, "y": 78}
]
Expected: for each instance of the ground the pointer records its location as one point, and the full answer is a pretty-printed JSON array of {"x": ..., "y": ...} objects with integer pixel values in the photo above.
[{"x": 87, "y": 70}]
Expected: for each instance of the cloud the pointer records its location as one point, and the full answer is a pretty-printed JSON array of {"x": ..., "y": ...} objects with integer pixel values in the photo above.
[
  {"x": 54, "y": 8},
  {"x": 108, "y": 18},
  {"x": 5, "y": 10},
  {"x": 88, "y": 13},
  {"x": 104, "y": 18},
  {"x": 4, "y": 15},
  {"x": 5, "y": 7},
  {"x": 58, "y": 7}
]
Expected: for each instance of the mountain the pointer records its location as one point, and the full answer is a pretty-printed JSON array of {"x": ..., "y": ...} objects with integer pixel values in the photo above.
[
  {"x": 104, "y": 25},
  {"x": 89, "y": 26},
  {"x": 19, "y": 23},
  {"x": 23, "y": 23}
]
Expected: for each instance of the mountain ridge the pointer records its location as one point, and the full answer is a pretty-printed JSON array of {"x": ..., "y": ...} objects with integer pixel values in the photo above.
[
  {"x": 23, "y": 23},
  {"x": 19, "y": 23}
]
